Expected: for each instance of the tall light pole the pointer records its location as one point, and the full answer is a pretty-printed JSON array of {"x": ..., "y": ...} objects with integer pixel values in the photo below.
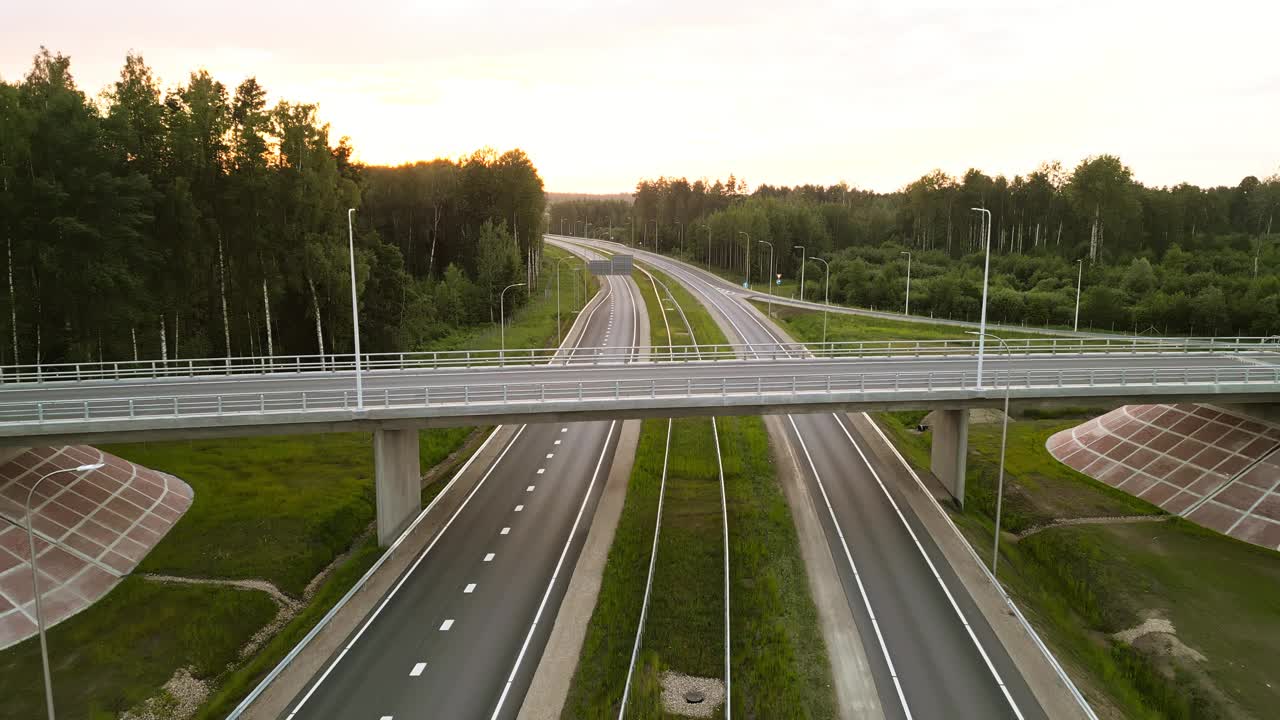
[
  {"x": 681, "y": 224},
  {"x": 575, "y": 227},
  {"x": 1075, "y": 326},
  {"x": 355, "y": 310},
  {"x": 802, "y": 252},
  {"x": 766, "y": 242},
  {"x": 655, "y": 232},
  {"x": 708, "y": 229},
  {"x": 562, "y": 225},
  {"x": 986, "y": 274},
  {"x": 826, "y": 296},
  {"x": 1004, "y": 434},
  {"x": 747, "y": 284},
  {"x": 502, "y": 319},
  {"x": 906, "y": 310},
  {"x": 35, "y": 582},
  {"x": 559, "y": 339}
]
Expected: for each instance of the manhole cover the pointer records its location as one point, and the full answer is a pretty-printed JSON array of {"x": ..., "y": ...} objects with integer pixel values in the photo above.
[{"x": 693, "y": 697}]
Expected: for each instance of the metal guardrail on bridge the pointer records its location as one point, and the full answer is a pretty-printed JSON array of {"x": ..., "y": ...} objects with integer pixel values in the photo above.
[
  {"x": 514, "y": 398},
  {"x": 260, "y": 365}
]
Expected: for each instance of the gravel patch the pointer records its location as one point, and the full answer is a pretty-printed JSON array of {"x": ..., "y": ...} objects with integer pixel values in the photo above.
[
  {"x": 180, "y": 698},
  {"x": 1159, "y": 634},
  {"x": 674, "y": 687}
]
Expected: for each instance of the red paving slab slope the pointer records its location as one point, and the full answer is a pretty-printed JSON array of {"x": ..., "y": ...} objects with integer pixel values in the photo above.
[
  {"x": 91, "y": 530},
  {"x": 1217, "y": 469}
]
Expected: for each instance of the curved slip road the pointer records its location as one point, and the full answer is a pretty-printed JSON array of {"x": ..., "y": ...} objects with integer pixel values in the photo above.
[
  {"x": 460, "y": 634},
  {"x": 932, "y": 654}
]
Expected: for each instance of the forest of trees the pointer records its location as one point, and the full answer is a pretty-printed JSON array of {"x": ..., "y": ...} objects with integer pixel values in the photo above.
[
  {"x": 1180, "y": 259},
  {"x": 197, "y": 221}
]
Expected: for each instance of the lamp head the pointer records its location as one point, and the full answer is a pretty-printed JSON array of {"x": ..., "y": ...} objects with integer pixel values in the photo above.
[{"x": 87, "y": 468}]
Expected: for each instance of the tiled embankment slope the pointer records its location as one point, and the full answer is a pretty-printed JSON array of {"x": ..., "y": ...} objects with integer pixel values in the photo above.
[
  {"x": 1214, "y": 468},
  {"x": 91, "y": 530}
]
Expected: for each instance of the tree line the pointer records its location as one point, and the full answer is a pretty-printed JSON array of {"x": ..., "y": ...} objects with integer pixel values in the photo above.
[
  {"x": 198, "y": 221},
  {"x": 1180, "y": 259}
]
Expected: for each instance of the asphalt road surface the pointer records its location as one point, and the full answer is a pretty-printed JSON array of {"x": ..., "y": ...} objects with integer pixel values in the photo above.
[
  {"x": 461, "y": 635},
  {"x": 922, "y": 612}
]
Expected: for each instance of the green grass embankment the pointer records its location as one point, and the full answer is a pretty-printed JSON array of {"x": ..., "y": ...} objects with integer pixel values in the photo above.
[
  {"x": 279, "y": 509},
  {"x": 1080, "y": 584}
]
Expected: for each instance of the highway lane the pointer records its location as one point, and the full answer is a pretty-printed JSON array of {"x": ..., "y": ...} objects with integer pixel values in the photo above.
[
  {"x": 460, "y": 634},
  {"x": 926, "y": 662}
]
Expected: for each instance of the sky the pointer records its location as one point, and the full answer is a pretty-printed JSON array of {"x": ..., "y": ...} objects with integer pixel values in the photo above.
[{"x": 874, "y": 93}]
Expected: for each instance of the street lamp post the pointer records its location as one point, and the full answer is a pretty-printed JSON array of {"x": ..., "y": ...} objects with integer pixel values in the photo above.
[
  {"x": 747, "y": 284},
  {"x": 1004, "y": 434},
  {"x": 770, "y": 278},
  {"x": 655, "y": 232},
  {"x": 1075, "y": 326},
  {"x": 502, "y": 320},
  {"x": 355, "y": 312},
  {"x": 562, "y": 225},
  {"x": 802, "y": 253},
  {"x": 906, "y": 310},
  {"x": 986, "y": 274},
  {"x": 559, "y": 339},
  {"x": 681, "y": 224},
  {"x": 575, "y": 227},
  {"x": 708, "y": 229},
  {"x": 35, "y": 582},
  {"x": 826, "y": 296}
]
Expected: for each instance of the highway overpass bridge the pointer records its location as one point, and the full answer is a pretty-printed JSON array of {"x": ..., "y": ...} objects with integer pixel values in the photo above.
[{"x": 65, "y": 404}]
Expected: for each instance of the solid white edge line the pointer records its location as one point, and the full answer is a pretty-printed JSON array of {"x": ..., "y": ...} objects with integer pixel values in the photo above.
[
  {"x": 648, "y": 583},
  {"x": 724, "y": 513},
  {"x": 412, "y": 568},
  {"x": 933, "y": 569},
  {"x": 556, "y": 573},
  {"x": 1062, "y": 673},
  {"x": 857, "y": 577}
]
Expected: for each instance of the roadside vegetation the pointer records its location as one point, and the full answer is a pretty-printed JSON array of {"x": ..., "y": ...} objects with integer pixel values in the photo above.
[
  {"x": 1177, "y": 259},
  {"x": 1081, "y": 584},
  {"x": 281, "y": 509},
  {"x": 778, "y": 659}
]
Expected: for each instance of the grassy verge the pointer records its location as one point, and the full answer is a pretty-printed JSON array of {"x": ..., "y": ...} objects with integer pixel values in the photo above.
[
  {"x": 806, "y": 326},
  {"x": 197, "y": 626},
  {"x": 778, "y": 656},
  {"x": 279, "y": 509},
  {"x": 1080, "y": 584}
]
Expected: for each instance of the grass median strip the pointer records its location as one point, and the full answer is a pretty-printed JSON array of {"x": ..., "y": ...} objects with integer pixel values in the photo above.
[{"x": 778, "y": 659}]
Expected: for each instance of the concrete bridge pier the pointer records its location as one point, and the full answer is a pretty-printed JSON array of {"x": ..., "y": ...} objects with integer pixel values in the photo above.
[
  {"x": 949, "y": 447},
  {"x": 397, "y": 481}
]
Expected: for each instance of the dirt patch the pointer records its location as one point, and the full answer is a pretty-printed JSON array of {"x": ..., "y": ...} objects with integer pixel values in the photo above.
[
  {"x": 1157, "y": 635},
  {"x": 179, "y": 698},
  {"x": 674, "y": 687},
  {"x": 1111, "y": 520}
]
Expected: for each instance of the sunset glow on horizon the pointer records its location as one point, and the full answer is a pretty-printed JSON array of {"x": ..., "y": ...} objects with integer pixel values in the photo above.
[{"x": 602, "y": 94}]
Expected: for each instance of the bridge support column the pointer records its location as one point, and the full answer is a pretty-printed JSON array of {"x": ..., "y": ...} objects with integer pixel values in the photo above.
[
  {"x": 949, "y": 448},
  {"x": 398, "y": 481}
]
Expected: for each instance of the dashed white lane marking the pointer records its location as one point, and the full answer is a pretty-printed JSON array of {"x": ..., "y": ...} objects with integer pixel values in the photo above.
[
  {"x": 470, "y": 588},
  {"x": 529, "y": 489},
  {"x": 519, "y": 508},
  {"x": 563, "y": 430},
  {"x": 488, "y": 557},
  {"x": 541, "y": 470},
  {"x": 387, "y": 717},
  {"x": 557, "y": 442},
  {"x": 444, "y": 626},
  {"x": 550, "y": 455},
  {"x": 505, "y": 531},
  {"x": 417, "y": 669}
]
